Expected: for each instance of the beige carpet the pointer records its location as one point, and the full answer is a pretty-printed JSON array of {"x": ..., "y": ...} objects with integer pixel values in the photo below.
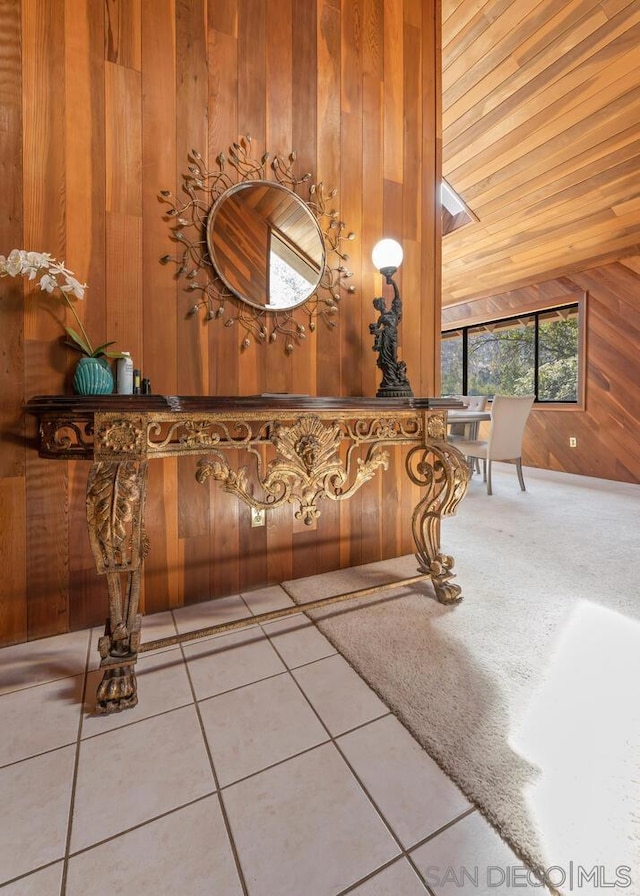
[{"x": 527, "y": 692}]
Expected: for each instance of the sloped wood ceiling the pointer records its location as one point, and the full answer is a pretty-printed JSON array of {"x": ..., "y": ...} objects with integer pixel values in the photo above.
[{"x": 541, "y": 139}]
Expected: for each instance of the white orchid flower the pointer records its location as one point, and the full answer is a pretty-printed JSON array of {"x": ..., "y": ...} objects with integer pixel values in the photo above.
[{"x": 54, "y": 276}]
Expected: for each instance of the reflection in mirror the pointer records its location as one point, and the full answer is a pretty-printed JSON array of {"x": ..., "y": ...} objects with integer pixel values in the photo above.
[
  {"x": 257, "y": 256},
  {"x": 266, "y": 245}
]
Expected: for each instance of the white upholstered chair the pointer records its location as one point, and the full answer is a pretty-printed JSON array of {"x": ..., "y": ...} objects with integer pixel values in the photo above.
[
  {"x": 471, "y": 403},
  {"x": 509, "y": 414}
]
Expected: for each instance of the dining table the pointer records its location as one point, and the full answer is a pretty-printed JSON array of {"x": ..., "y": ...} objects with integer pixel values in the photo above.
[{"x": 470, "y": 418}]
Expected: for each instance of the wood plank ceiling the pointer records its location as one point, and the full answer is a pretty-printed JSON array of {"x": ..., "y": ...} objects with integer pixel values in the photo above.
[{"x": 541, "y": 139}]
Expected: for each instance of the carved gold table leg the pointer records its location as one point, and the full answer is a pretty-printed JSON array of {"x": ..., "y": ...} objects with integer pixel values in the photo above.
[
  {"x": 116, "y": 493},
  {"x": 445, "y": 474}
]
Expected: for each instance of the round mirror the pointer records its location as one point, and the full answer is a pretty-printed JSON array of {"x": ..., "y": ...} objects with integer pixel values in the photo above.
[{"x": 266, "y": 245}]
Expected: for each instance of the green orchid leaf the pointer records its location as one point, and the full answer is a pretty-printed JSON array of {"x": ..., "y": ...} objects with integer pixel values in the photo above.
[
  {"x": 81, "y": 345},
  {"x": 78, "y": 342},
  {"x": 100, "y": 350}
]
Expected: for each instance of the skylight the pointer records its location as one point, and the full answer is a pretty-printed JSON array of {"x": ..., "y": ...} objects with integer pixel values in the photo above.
[
  {"x": 455, "y": 213},
  {"x": 450, "y": 199}
]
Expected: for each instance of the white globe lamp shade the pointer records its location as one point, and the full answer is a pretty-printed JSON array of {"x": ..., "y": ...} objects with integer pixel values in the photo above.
[{"x": 387, "y": 254}]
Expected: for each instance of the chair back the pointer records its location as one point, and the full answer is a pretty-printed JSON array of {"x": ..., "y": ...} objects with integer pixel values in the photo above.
[
  {"x": 509, "y": 414},
  {"x": 472, "y": 402},
  {"x": 475, "y": 402}
]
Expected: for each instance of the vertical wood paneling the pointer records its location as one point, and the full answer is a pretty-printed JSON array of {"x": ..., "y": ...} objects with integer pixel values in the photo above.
[
  {"x": 12, "y": 447},
  {"x": 13, "y": 584},
  {"x": 225, "y": 359},
  {"x": 196, "y": 569},
  {"x": 111, "y": 97},
  {"x": 252, "y": 69},
  {"x": 13, "y": 532},
  {"x": 328, "y": 554},
  {"x": 123, "y": 31},
  {"x": 44, "y": 129},
  {"x": 279, "y": 74},
  {"x": 86, "y": 604},
  {"x": 391, "y": 495},
  {"x": 191, "y": 124},
  {"x": 192, "y": 106},
  {"x": 393, "y": 90},
  {"x": 85, "y": 171},
  {"x": 371, "y": 214},
  {"x": 413, "y": 298},
  {"x": 123, "y": 129},
  {"x": 428, "y": 382},
  {"x": 48, "y": 548},
  {"x": 305, "y": 552},
  {"x": 159, "y": 359},
  {"x": 253, "y": 550},
  {"x": 329, "y": 362},
  {"x": 303, "y": 363},
  {"x": 225, "y": 543},
  {"x": 279, "y": 137},
  {"x": 252, "y": 107},
  {"x": 352, "y": 181},
  {"x": 279, "y": 544},
  {"x": 123, "y": 283},
  {"x": 223, "y": 127}
]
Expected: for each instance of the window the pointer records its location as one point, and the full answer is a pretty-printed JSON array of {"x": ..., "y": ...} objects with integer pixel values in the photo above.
[{"x": 534, "y": 353}]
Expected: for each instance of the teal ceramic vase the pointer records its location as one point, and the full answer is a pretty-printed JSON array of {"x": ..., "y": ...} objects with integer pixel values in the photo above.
[{"x": 93, "y": 377}]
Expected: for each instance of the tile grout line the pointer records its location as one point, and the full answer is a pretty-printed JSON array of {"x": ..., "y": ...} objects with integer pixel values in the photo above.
[
  {"x": 473, "y": 807},
  {"x": 134, "y": 827},
  {"x": 373, "y": 874},
  {"x": 19, "y": 688},
  {"x": 333, "y": 740},
  {"x": 449, "y": 824},
  {"x": 137, "y": 827},
  {"x": 28, "y": 874},
  {"x": 405, "y": 851},
  {"x": 330, "y": 740},
  {"x": 219, "y": 790},
  {"x": 223, "y": 810},
  {"x": 76, "y": 764},
  {"x": 142, "y": 824}
]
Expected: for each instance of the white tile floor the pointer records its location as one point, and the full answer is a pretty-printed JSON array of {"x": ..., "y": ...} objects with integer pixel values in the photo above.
[{"x": 256, "y": 762}]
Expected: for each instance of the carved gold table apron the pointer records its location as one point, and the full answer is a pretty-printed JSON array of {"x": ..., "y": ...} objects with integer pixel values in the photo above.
[{"x": 302, "y": 449}]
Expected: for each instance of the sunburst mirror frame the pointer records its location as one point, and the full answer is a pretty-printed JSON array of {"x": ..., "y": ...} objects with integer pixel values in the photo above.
[{"x": 203, "y": 188}]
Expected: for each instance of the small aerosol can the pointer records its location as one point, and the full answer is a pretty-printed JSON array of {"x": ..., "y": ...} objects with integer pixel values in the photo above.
[{"x": 124, "y": 375}]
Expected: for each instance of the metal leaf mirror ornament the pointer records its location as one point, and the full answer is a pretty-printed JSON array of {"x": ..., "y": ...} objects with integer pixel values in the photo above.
[{"x": 257, "y": 255}]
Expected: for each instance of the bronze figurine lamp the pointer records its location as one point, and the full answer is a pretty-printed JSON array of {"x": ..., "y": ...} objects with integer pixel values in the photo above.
[{"x": 387, "y": 257}]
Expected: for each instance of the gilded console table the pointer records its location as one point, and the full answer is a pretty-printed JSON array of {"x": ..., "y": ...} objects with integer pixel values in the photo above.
[{"x": 302, "y": 450}]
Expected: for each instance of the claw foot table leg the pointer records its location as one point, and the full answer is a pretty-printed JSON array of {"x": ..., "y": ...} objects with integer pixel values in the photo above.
[
  {"x": 445, "y": 474},
  {"x": 115, "y": 518}
]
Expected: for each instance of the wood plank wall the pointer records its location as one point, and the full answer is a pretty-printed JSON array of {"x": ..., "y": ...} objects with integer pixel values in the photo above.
[
  {"x": 607, "y": 429},
  {"x": 101, "y": 103}
]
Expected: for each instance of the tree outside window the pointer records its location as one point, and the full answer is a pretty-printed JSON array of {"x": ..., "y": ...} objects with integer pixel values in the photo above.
[{"x": 531, "y": 354}]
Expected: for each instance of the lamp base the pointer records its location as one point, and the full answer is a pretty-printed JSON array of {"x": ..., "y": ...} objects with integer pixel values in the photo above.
[{"x": 395, "y": 392}]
